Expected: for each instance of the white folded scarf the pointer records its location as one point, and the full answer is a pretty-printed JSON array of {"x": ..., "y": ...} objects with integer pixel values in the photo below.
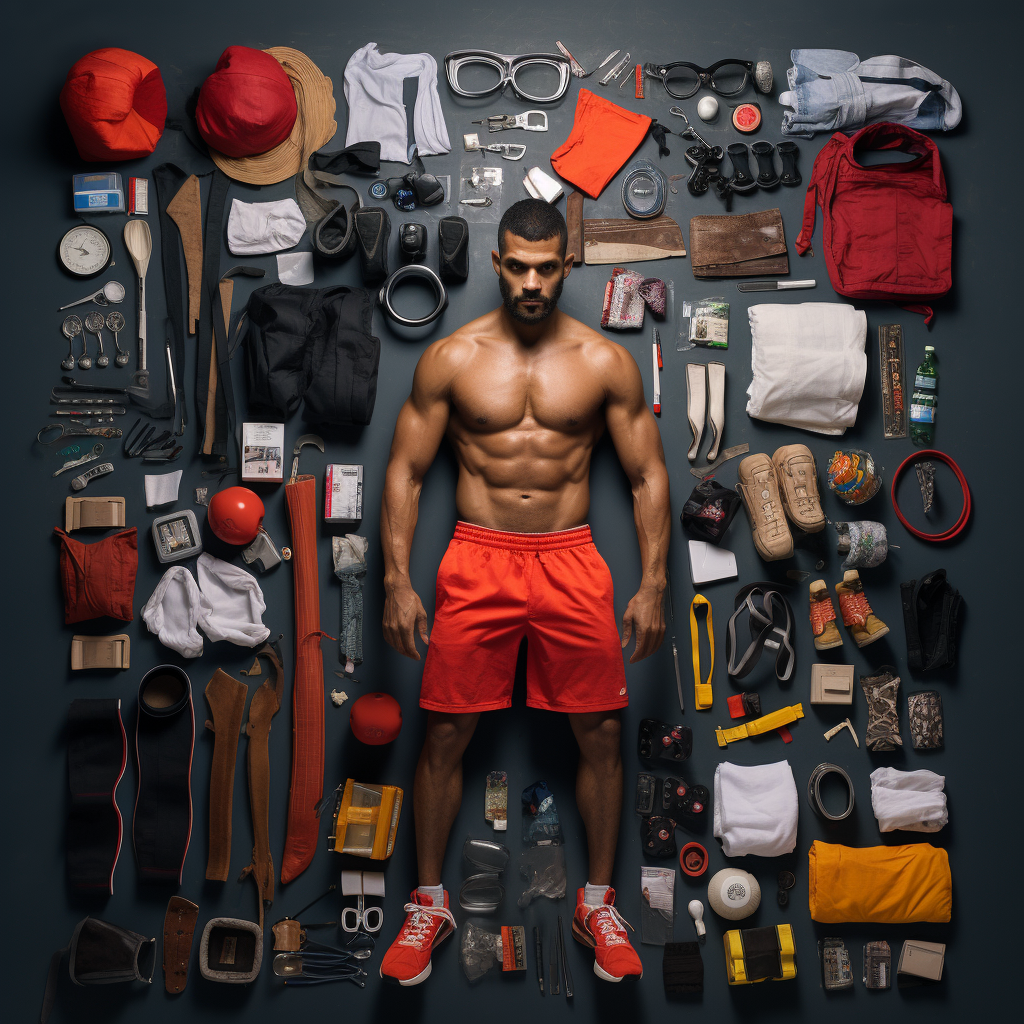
[
  {"x": 376, "y": 113},
  {"x": 809, "y": 364},
  {"x": 227, "y": 604},
  {"x": 756, "y": 809},
  {"x": 910, "y": 801}
]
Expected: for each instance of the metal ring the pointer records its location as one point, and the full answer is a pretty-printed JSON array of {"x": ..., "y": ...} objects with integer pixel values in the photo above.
[
  {"x": 814, "y": 790},
  {"x": 413, "y": 270}
]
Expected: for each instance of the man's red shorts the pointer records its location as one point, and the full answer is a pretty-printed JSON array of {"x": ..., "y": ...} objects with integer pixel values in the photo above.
[{"x": 493, "y": 589}]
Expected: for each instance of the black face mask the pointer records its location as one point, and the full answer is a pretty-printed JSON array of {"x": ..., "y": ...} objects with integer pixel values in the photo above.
[{"x": 511, "y": 302}]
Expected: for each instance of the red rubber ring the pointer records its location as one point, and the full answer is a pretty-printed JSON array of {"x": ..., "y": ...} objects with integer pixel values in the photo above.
[
  {"x": 965, "y": 512},
  {"x": 695, "y": 871}
]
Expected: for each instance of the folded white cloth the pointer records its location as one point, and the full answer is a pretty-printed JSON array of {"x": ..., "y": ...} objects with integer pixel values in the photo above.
[
  {"x": 809, "y": 364},
  {"x": 295, "y": 268},
  {"x": 256, "y": 228},
  {"x": 910, "y": 801},
  {"x": 172, "y": 612},
  {"x": 233, "y": 604},
  {"x": 162, "y": 488},
  {"x": 376, "y": 113},
  {"x": 756, "y": 809}
]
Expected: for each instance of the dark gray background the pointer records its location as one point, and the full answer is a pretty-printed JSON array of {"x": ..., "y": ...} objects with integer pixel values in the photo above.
[{"x": 975, "y": 331}]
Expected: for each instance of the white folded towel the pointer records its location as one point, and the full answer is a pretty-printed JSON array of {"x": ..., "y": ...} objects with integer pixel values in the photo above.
[
  {"x": 756, "y": 809},
  {"x": 909, "y": 801}
]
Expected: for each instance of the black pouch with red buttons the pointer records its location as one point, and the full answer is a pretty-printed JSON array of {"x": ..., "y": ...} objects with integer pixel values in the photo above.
[
  {"x": 660, "y": 743},
  {"x": 685, "y": 804}
]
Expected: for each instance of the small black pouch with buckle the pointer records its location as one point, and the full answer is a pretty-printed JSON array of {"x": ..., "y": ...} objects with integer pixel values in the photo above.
[
  {"x": 453, "y": 261},
  {"x": 709, "y": 510},
  {"x": 373, "y": 232},
  {"x": 662, "y": 743}
]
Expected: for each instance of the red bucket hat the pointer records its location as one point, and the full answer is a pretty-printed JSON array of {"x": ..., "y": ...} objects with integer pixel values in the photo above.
[
  {"x": 115, "y": 104},
  {"x": 247, "y": 106}
]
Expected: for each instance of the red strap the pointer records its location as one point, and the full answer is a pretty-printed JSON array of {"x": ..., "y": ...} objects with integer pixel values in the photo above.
[
  {"x": 965, "y": 512},
  {"x": 787, "y": 736}
]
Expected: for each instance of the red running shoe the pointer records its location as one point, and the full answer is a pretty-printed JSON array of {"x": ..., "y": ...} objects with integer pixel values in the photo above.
[
  {"x": 604, "y": 930},
  {"x": 407, "y": 962}
]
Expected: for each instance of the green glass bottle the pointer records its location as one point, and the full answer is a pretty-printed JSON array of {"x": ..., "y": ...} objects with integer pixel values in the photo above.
[{"x": 922, "y": 405}]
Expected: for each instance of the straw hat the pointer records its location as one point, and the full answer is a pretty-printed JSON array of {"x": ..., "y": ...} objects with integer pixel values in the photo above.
[{"x": 314, "y": 125}]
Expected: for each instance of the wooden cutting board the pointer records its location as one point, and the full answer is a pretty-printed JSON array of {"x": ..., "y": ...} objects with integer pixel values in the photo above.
[{"x": 623, "y": 240}]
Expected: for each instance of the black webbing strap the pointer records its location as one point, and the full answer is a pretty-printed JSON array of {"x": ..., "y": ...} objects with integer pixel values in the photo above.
[{"x": 771, "y": 625}]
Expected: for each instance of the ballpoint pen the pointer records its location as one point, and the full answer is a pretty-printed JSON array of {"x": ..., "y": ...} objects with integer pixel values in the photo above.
[
  {"x": 675, "y": 649},
  {"x": 656, "y": 357}
]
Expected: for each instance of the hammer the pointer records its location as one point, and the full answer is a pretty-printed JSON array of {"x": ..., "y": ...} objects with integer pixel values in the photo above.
[{"x": 305, "y": 439}]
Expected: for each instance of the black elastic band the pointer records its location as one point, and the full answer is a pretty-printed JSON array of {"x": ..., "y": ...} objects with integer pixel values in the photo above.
[{"x": 765, "y": 631}]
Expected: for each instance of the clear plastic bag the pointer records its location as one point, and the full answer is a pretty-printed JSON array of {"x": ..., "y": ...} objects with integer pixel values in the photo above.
[
  {"x": 541, "y": 825},
  {"x": 543, "y": 869},
  {"x": 704, "y": 322},
  {"x": 478, "y": 183},
  {"x": 480, "y": 950}
]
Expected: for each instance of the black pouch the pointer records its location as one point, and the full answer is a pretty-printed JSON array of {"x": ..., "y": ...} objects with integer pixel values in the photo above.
[
  {"x": 453, "y": 237},
  {"x": 924, "y": 713},
  {"x": 709, "y": 510},
  {"x": 658, "y": 837},
  {"x": 685, "y": 804},
  {"x": 373, "y": 232},
  {"x": 412, "y": 242},
  {"x": 664, "y": 743},
  {"x": 931, "y": 616}
]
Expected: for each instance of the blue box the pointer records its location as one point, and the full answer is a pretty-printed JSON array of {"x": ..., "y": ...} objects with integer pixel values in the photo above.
[{"x": 98, "y": 193}]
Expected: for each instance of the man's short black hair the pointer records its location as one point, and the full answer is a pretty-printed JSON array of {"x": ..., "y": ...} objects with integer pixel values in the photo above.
[{"x": 535, "y": 221}]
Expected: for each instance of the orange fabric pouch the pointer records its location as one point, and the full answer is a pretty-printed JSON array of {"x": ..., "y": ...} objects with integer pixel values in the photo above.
[
  {"x": 99, "y": 579},
  {"x": 602, "y": 139},
  {"x": 879, "y": 884}
]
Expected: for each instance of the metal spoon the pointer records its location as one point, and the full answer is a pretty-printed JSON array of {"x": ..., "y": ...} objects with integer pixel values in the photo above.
[
  {"x": 112, "y": 291},
  {"x": 139, "y": 243},
  {"x": 71, "y": 327},
  {"x": 94, "y": 325},
  {"x": 115, "y": 324}
]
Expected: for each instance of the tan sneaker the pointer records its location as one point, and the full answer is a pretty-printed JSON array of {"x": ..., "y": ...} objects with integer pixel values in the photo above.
[
  {"x": 759, "y": 487},
  {"x": 864, "y": 625},
  {"x": 798, "y": 481},
  {"x": 823, "y": 618}
]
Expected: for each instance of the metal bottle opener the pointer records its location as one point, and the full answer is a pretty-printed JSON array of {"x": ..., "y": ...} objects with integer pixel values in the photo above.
[{"x": 529, "y": 121}]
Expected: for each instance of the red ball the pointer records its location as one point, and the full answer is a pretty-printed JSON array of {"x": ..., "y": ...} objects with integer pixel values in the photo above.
[
  {"x": 376, "y": 718},
  {"x": 235, "y": 515}
]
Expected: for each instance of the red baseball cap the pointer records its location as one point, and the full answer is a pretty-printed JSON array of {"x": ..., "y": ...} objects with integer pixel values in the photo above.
[
  {"x": 115, "y": 104},
  {"x": 247, "y": 106}
]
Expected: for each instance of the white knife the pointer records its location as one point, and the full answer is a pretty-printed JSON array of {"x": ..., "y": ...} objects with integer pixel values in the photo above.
[{"x": 773, "y": 286}]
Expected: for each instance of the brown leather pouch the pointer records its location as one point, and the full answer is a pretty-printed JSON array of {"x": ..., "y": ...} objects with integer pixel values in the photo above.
[
  {"x": 622, "y": 240},
  {"x": 740, "y": 245}
]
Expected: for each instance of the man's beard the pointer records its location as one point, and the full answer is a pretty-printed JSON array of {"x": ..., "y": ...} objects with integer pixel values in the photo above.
[{"x": 511, "y": 303}]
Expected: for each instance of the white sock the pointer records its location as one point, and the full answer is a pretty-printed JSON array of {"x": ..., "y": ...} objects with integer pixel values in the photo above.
[
  {"x": 593, "y": 895},
  {"x": 435, "y": 892}
]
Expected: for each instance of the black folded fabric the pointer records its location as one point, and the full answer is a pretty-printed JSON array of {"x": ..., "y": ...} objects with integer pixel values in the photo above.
[
  {"x": 97, "y": 751},
  {"x": 682, "y": 968},
  {"x": 164, "y": 739},
  {"x": 359, "y": 158}
]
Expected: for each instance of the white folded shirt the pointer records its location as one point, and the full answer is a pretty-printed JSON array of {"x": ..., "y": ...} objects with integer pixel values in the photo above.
[{"x": 909, "y": 801}]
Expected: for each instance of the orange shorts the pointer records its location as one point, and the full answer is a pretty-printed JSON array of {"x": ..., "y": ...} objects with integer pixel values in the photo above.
[{"x": 493, "y": 589}]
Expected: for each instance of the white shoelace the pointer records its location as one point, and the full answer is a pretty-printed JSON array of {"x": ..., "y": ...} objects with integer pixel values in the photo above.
[
  {"x": 414, "y": 931},
  {"x": 612, "y": 925}
]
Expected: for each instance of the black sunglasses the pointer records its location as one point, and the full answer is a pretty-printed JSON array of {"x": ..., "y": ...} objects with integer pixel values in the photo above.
[{"x": 727, "y": 77}]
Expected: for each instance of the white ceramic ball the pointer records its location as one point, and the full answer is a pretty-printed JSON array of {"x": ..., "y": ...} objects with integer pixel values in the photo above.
[{"x": 707, "y": 108}]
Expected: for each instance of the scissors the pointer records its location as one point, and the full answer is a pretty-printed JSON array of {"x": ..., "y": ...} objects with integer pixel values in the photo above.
[
  {"x": 362, "y": 918},
  {"x": 74, "y": 430}
]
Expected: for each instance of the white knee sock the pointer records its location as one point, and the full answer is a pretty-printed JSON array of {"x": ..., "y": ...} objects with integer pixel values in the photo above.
[{"x": 435, "y": 892}]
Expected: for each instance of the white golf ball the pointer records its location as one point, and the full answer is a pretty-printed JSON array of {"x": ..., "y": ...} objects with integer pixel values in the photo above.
[{"x": 707, "y": 108}]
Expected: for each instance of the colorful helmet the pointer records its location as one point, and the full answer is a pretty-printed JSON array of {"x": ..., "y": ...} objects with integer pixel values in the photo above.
[{"x": 235, "y": 515}]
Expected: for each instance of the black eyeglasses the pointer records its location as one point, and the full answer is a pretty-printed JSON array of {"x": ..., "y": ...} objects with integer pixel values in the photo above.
[{"x": 728, "y": 77}]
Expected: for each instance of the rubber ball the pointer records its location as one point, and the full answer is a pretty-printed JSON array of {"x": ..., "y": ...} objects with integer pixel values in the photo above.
[
  {"x": 707, "y": 108},
  {"x": 235, "y": 515},
  {"x": 376, "y": 719}
]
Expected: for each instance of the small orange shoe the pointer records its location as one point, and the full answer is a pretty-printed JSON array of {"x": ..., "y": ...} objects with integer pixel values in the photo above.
[
  {"x": 603, "y": 928},
  {"x": 407, "y": 962}
]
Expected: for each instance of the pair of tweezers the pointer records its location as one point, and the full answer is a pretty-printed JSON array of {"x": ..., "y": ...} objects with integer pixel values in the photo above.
[{"x": 565, "y": 964}]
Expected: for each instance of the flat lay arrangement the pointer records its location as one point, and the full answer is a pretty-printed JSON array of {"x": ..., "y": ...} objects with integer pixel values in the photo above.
[{"x": 264, "y": 266}]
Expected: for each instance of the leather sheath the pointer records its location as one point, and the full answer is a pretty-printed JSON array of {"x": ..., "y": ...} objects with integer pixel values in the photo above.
[
  {"x": 696, "y": 404},
  {"x": 186, "y": 210},
  {"x": 179, "y": 928},
  {"x": 623, "y": 240},
  {"x": 738, "y": 245},
  {"x": 226, "y": 697},
  {"x": 265, "y": 703},
  {"x": 574, "y": 223},
  {"x": 716, "y": 407}
]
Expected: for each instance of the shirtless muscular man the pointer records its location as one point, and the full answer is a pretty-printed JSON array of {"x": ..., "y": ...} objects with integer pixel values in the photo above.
[{"x": 523, "y": 395}]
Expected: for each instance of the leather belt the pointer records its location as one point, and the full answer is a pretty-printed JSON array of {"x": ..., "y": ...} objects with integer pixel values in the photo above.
[
  {"x": 413, "y": 270},
  {"x": 226, "y": 697},
  {"x": 965, "y": 512},
  {"x": 771, "y": 625},
  {"x": 814, "y": 790},
  {"x": 179, "y": 927},
  {"x": 702, "y": 695}
]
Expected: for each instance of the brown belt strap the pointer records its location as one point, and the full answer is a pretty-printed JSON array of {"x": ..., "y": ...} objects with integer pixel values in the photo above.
[
  {"x": 186, "y": 210},
  {"x": 179, "y": 927},
  {"x": 226, "y": 697},
  {"x": 264, "y": 705}
]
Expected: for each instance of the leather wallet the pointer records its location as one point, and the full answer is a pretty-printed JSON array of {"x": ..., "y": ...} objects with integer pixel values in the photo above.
[
  {"x": 453, "y": 254},
  {"x": 101, "y": 651},
  {"x": 738, "y": 245},
  {"x": 373, "y": 232}
]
